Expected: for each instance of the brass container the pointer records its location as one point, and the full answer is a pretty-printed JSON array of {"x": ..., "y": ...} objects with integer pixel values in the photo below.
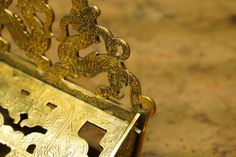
[{"x": 44, "y": 112}]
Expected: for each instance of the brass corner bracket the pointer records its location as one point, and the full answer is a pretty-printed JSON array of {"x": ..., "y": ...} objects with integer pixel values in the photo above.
[{"x": 43, "y": 91}]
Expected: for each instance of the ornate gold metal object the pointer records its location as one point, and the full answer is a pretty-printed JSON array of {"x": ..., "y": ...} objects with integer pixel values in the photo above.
[{"x": 43, "y": 112}]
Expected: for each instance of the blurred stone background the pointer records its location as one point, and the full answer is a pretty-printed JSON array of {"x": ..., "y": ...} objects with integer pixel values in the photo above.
[{"x": 184, "y": 53}]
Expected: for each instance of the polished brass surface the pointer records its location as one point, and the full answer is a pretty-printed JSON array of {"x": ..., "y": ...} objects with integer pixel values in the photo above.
[
  {"x": 62, "y": 111},
  {"x": 55, "y": 111}
]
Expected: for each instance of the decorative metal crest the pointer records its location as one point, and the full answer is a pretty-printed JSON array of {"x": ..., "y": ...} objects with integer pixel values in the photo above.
[{"x": 34, "y": 35}]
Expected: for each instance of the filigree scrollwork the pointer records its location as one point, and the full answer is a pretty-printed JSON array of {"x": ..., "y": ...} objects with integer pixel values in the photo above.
[{"x": 36, "y": 40}]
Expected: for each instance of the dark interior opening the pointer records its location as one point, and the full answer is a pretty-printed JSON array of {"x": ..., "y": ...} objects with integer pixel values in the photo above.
[
  {"x": 51, "y": 105},
  {"x": 23, "y": 117},
  {"x": 4, "y": 150},
  {"x": 25, "y": 92},
  {"x": 25, "y": 130},
  {"x": 93, "y": 135},
  {"x": 31, "y": 148}
]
